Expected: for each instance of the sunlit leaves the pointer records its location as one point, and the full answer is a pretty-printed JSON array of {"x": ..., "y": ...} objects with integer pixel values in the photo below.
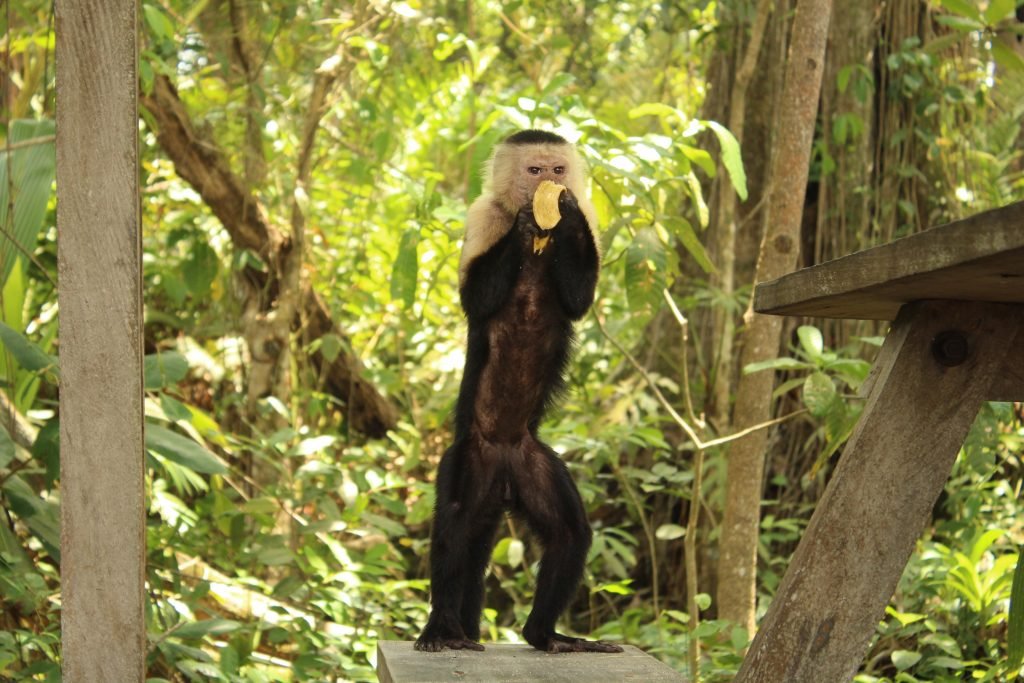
[
  {"x": 26, "y": 178},
  {"x": 182, "y": 450},
  {"x": 669, "y": 532},
  {"x": 645, "y": 269},
  {"x": 27, "y": 354},
  {"x": 404, "y": 270},
  {"x": 731, "y": 158}
]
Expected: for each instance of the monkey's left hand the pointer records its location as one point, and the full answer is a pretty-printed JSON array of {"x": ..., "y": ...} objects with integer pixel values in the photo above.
[{"x": 567, "y": 200}]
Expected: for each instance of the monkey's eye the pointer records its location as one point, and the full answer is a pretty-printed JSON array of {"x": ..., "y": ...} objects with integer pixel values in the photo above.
[
  {"x": 559, "y": 170},
  {"x": 533, "y": 170}
]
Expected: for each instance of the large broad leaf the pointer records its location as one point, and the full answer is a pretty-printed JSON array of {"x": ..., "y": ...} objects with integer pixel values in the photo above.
[
  {"x": 687, "y": 236},
  {"x": 200, "y": 269},
  {"x": 998, "y": 9},
  {"x": 645, "y": 269},
  {"x": 26, "y": 178},
  {"x": 27, "y": 354},
  {"x": 182, "y": 450},
  {"x": 819, "y": 393},
  {"x": 163, "y": 369},
  {"x": 731, "y": 157},
  {"x": 42, "y": 517}
]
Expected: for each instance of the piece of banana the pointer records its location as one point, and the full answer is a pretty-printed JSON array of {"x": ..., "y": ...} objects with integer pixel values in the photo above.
[
  {"x": 545, "y": 211},
  {"x": 545, "y": 204}
]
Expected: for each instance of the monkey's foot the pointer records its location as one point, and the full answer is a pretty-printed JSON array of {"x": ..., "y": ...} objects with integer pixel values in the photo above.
[
  {"x": 424, "y": 644},
  {"x": 556, "y": 643}
]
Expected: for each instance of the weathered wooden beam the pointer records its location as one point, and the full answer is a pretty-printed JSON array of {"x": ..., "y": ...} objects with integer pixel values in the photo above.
[
  {"x": 980, "y": 258},
  {"x": 936, "y": 368},
  {"x": 397, "y": 662},
  {"x": 1009, "y": 384},
  {"x": 100, "y": 296}
]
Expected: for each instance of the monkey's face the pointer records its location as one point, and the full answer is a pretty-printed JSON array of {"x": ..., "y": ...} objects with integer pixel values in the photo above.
[{"x": 537, "y": 167}]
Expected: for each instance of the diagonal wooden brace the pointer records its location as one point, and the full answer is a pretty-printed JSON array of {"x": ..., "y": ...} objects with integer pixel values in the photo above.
[{"x": 939, "y": 363}]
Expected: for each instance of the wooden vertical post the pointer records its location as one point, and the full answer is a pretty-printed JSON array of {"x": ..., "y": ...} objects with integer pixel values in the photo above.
[
  {"x": 100, "y": 297},
  {"x": 940, "y": 361}
]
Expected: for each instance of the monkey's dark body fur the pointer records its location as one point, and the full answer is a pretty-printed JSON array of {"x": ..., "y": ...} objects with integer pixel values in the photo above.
[{"x": 520, "y": 307}]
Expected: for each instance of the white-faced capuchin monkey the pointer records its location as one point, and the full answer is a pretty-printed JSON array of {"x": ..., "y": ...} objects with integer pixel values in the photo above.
[{"x": 521, "y": 287}]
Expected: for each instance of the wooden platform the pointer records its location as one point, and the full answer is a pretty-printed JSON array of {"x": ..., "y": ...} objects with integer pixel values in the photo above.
[
  {"x": 980, "y": 258},
  {"x": 398, "y": 662}
]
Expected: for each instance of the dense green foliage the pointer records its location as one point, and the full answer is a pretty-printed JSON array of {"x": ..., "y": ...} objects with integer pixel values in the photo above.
[{"x": 282, "y": 544}]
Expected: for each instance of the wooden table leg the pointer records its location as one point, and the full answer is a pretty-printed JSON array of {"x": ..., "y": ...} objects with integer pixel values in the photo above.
[{"x": 937, "y": 366}]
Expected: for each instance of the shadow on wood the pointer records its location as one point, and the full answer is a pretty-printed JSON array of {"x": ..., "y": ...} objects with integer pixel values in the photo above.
[{"x": 398, "y": 662}]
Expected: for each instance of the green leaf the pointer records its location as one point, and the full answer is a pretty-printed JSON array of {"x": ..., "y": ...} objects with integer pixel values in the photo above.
[
  {"x": 1015, "y": 620},
  {"x": 669, "y": 532},
  {"x": 275, "y": 556},
  {"x": 961, "y": 24},
  {"x": 515, "y": 553},
  {"x": 330, "y": 347},
  {"x": 693, "y": 184},
  {"x": 662, "y": 111},
  {"x": 200, "y": 269},
  {"x": 6, "y": 448},
  {"x": 819, "y": 392},
  {"x": 904, "y": 659},
  {"x": 163, "y": 369},
  {"x": 997, "y": 10},
  {"x": 404, "y": 270},
  {"x": 207, "y": 627},
  {"x": 811, "y": 340},
  {"x": 843, "y": 78},
  {"x": 687, "y": 236},
  {"x": 27, "y": 189},
  {"x": 42, "y": 517},
  {"x": 158, "y": 22},
  {"x": 182, "y": 450},
  {"x": 46, "y": 449},
  {"x": 617, "y": 588},
  {"x": 28, "y": 355},
  {"x": 965, "y": 8},
  {"x": 732, "y": 159},
  {"x": 1007, "y": 56},
  {"x": 645, "y": 269},
  {"x": 775, "y": 364}
]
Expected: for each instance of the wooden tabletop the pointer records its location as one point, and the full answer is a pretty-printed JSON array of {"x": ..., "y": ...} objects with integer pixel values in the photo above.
[
  {"x": 397, "y": 662},
  {"x": 980, "y": 258}
]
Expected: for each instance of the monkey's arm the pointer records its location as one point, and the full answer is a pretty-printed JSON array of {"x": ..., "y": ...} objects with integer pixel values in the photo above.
[
  {"x": 490, "y": 276},
  {"x": 576, "y": 259}
]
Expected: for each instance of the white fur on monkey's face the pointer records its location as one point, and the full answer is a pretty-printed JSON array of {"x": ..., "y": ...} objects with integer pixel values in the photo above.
[
  {"x": 519, "y": 169},
  {"x": 510, "y": 183}
]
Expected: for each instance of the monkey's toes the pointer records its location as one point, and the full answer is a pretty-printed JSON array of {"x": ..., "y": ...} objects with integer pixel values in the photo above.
[{"x": 438, "y": 644}]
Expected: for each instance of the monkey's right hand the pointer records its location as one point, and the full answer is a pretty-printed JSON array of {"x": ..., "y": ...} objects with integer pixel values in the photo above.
[{"x": 526, "y": 223}]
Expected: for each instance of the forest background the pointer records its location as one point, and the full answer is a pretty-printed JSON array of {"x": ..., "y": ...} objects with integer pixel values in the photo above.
[{"x": 306, "y": 167}]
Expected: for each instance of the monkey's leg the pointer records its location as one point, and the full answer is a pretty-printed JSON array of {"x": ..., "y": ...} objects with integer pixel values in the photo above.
[
  {"x": 552, "y": 507},
  {"x": 460, "y": 521},
  {"x": 479, "y": 554}
]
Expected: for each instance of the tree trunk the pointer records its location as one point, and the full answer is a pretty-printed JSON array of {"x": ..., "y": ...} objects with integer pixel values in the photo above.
[
  {"x": 780, "y": 249},
  {"x": 726, "y": 219}
]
